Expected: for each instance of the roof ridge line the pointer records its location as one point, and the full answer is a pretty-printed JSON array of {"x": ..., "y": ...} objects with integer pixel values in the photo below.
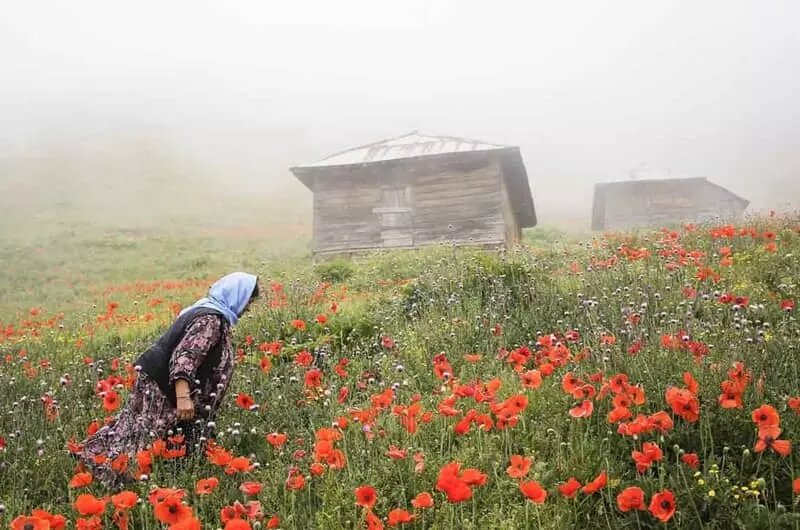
[{"x": 370, "y": 144}]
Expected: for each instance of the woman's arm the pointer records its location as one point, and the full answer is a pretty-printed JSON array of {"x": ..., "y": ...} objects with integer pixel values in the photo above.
[{"x": 204, "y": 333}]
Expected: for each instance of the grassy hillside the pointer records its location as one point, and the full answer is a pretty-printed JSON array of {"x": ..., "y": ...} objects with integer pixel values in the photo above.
[
  {"x": 605, "y": 383},
  {"x": 90, "y": 210}
]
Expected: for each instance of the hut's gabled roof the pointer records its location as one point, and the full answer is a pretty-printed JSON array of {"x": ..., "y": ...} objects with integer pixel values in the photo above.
[
  {"x": 653, "y": 186},
  {"x": 409, "y": 145},
  {"x": 418, "y": 145}
]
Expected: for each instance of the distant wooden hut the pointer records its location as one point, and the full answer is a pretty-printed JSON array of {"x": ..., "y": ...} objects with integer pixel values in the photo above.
[
  {"x": 417, "y": 190},
  {"x": 660, "y": 202}
]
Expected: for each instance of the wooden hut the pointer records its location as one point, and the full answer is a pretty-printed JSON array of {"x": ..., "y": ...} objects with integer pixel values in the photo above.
[
  {"x": 661, "y": 202},
  {"x": 417, "y": 190}
]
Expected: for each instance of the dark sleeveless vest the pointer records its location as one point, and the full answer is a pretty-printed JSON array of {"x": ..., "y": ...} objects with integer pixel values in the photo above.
[{"x": 155, "y": 361}]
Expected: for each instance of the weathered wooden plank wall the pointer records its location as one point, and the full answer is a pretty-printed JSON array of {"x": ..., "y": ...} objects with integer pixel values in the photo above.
[
  {"x": 668, "y": 203},
  {"x": 513, "y": 232},
  {"x": 343, "y": 217},
  {"x": 459, "y": 204},
  {"x": 411, "y": 203}
]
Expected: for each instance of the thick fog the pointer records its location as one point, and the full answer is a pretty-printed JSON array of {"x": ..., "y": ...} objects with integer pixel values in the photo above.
[{"x": 232, "y": 93}]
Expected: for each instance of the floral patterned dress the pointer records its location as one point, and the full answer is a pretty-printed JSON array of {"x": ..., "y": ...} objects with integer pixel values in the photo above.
[{"x": 149, "y": 416}]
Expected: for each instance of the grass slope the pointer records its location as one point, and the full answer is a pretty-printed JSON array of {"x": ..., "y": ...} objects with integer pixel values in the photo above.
[{"x": 447, "y": 355}]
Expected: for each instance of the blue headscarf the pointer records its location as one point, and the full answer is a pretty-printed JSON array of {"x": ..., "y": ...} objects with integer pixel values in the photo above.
[{"x": 229, "y": 295}]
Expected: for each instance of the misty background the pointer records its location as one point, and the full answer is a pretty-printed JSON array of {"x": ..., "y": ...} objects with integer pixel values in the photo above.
[{"x": 164, "y": 114}]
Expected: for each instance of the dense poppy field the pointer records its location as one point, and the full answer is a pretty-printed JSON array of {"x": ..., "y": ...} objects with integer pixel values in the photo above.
[{"x": 630, "y": 381}]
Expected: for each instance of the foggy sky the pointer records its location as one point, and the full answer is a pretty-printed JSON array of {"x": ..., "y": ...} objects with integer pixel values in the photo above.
[{"x": 588, "y": 90}]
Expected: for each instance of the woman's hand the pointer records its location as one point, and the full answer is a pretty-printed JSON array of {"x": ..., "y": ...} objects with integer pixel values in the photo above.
[
  {"x": 183, "y": 400},
  {"x": 185, "y": 408}
]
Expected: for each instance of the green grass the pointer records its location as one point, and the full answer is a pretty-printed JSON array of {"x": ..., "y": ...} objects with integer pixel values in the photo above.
[
  {"x": 430, "y": 302},
  {"x": 66, "y": 270}
]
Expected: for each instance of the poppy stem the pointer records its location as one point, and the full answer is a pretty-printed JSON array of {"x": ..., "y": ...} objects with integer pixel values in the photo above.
[{"x": 691, "y": 497}]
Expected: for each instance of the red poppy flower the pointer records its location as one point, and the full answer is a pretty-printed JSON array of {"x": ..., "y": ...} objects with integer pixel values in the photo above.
[
  {"x": 120, "y": 464},
  {"x": 691, "y": 383},
  {"x": 661, "y": 421},
  {"x": 631, "y": 498},
  {"x": 473, "y": 477},
  {"x": 366, "y": 496},
  {"x": 89, "y": 523},
  {"x": 396, "y": 453},
  {"x": 124, "y": 500},
  {"x": 731, "y": 397},
  {"x": 240, "y": 464},
  {"x": 398, "y": 516},
  {"x": 111, "y": 401},
  {"x": 274, "y": 522},
  {"x": 237, "y": 524},
  {"x": 373, "y": 521},
  {"x": 422, "y": 501},
  {"x": 766, "y": 416},
  {"x": 303, "y": 358},
  {"x": 276, "y": 440},
  {"x": 662, "y": 505},
  {"x": 618, "y": 414},
  {"x": 190, "y": 523},
  {"x": 691, "y": 460},
  {"x": 299, "y": 325},
  {"x": 451, "y": 484},
  {"x": 87, "y": 504},
  {"x": 531, "y": 379},
  {"x": 683, "y": 403},
  {"x": 206, "y": 486},
  {"x": 520, "y": 465},
  {"x": 584, "y": 392},
  {"x": 265, "y": 364},
  {"x": 339, "y": 369},
  {"x": 244, "y": 401},
  {"x": 80, "y": 480},
  {"x": 57, "y": 521},
  {"x": 768, "y": 439},
  {"x": 597, "y": 484},
  {"x": 172, "y": 511},
  {"x": 218, "y": 456},
  {"x": 584, "y": 410},
  {"x": 250, "y": 488},
  {"x": 569, "y": 383},
  {"x": 606, "y": 339},
  {"x": 533, "y": 491},
  {"x": 794, "y": 404},
  {"x": 23, "y": 522},
  {"x": 570, "y": 488},
  {"x": 159, "y": 495},
  {"x": 644, "y": 459},
  {"x": 295, "y": 482},
  {"x": 313, "y": 378},
  {"x": 231, "y": 512}
]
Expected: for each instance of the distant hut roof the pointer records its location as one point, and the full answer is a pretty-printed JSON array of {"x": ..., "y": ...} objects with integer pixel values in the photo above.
[
  {"x": 633, "y": 187},
  {"x": 417, "y": 145}
]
